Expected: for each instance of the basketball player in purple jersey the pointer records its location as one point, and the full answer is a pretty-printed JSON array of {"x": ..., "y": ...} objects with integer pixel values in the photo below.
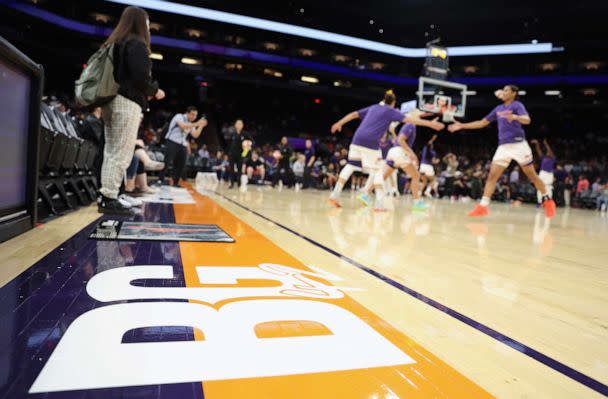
[
  {"x": 386, "y": 142},
  {"x": 401, "y": 156},
  {"x": 427, "y": 168},
  {"x": 364, "y": 152},
  {"x": 512, "y": 145},
  {"x": 547, "y": 166}
]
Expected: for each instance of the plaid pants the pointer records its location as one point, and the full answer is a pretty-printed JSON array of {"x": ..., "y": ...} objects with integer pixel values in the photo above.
[{"x": 122, "y": 118}]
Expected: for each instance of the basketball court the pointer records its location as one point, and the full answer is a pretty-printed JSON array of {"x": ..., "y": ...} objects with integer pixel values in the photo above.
[
  {"x": 222, "y": 281},
  {"x": 310, "y": 301}
]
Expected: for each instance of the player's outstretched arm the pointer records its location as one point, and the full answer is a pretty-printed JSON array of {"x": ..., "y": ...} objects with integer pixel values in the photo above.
[
  {"x": 548, "y": 148},
  {"x": 336, "y": 127},
  {"x": 536, "y": 145},
  {"x": 456, "y": 126},
  {"x": 434, "y": 124}
]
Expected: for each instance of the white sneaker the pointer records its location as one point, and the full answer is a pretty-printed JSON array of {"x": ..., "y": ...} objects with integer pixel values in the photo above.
[
  {"x": 125, "y": 199},
  {"x": 603, "y": 207},
  {"x": 154, "y": 166}
]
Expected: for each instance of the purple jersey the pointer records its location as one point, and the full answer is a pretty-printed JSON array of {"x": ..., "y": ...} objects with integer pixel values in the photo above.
[
  {"x": 409, "y": 131},
  {"x": 385, "y": 146},
  {"x": 375, "y": 120},
  {"x": 547, "y": 164},
  {"x": 508, "y": 132},
  {"x": 427, "y": 155}
]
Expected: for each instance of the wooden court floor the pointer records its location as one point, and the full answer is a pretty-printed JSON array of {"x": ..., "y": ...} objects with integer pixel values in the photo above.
[{"x": 511, "y": 306}]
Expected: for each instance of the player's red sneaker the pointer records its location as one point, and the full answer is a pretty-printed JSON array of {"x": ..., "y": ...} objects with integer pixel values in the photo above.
[
  {"x": 549, "y": 208},
  {"x": 479, "y": 211},
  {"x": 334, "y": 202}
]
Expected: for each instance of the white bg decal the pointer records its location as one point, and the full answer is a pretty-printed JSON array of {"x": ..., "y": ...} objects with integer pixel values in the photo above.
[{"x": 91, "y": 353}]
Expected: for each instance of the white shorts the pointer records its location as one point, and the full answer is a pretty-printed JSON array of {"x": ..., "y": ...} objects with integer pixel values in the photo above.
[
  {"x": 365, "y": 158},
  {"x": 397, "y": 158},
  {"x": 546, "y": 177},
  {"x": 427, "y": 170},
  {"x": 518, "y": 152}
]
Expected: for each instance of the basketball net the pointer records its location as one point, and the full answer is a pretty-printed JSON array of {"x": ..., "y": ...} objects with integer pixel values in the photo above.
[{"x": 447, "y": 116}]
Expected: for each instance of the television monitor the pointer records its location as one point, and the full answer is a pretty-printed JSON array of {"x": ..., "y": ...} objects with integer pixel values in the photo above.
[{"x": 20, "y": 95}]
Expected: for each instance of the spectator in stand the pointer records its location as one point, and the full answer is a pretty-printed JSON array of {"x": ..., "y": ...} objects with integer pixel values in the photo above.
[
  {"x": 514, "y": 176},
  {"x": 181, "y": 127},
  {"x": 283, "y": 172},
  {"x": 451, "y": 167},
  {"x": 459, "y": 187},
  {"x": 514, "y": 182},
  {"x": 122, "y": 115},
  {"x": 568, "y": 187},
  {"x": 597, "y": 186},
  {"x": 92, "y": 130},
  {"x": 241, "y": 142},
  {"x": 310, "y": 156},
  {"x": 503, "y": 188},
  {"x": 330, "y": 177},
  {"x": 203, "y": 153},
  {"x": 560, "y": 180},
  {"x": 602, "y": 199},
  {"x": 582, "y": 185},
  {"x": 224, "y": 168},
  {"x": 298, "y": 170},
  {"x": 255, "y": 168},
  {"x": 477, "y": 176}
]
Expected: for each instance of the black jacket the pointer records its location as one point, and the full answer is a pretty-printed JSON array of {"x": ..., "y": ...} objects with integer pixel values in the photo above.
[
  {"x": 134, "y": 71},
  {"x": 236, "y": 145}
]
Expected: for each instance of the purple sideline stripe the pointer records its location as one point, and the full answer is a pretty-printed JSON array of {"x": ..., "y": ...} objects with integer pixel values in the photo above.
[
  {"x": 41, "y": 302},
  {"x": 584, "y": 379},
  {"x": 208, "y": 48}
]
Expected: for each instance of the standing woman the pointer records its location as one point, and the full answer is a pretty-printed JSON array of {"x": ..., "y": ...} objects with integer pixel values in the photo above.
[{"x": 132, "y": 71}]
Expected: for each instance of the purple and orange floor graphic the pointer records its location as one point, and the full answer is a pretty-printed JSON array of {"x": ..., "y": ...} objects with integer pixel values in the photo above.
[{"x": 134, "y": 319}]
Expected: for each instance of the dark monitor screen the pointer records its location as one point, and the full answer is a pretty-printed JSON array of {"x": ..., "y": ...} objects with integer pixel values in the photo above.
[{"x": 14, "y": 116}]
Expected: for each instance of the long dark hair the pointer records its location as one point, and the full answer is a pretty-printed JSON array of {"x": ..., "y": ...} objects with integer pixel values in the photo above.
[{"x": 133, "y": 23}]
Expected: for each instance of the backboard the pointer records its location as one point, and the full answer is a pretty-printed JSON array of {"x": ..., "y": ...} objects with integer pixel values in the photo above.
[{"x": 438, "y": 96}]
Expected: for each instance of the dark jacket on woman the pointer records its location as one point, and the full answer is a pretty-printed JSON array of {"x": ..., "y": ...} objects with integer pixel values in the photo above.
[{"x": 133, "y": 72}]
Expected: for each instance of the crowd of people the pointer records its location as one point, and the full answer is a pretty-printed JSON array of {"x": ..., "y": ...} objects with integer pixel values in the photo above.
[{"x": 316, "y": 165}]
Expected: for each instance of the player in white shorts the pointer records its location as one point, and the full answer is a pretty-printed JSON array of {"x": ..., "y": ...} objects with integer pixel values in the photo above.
[
  {"x": 510, "y": 116},
  {"x": 364, "y": 152},
  {"x": 401, "y": 156},
  {"x": 547, "y": 166},
  {"x": 428, "y": 158}
]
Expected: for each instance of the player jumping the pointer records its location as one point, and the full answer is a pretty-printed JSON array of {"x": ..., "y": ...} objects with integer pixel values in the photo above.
[{"x": 511, "y": 115}]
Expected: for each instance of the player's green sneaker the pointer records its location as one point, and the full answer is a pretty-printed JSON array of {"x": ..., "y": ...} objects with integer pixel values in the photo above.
[
  {"x": 420, "y": 205},
  {"x": 364, "y": 199}
]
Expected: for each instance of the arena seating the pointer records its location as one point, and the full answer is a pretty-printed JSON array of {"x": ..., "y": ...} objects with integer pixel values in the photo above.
[{"x": 65, "y": 164}]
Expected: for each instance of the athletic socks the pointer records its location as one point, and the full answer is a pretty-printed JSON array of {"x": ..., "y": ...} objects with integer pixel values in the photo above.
[
  {"x": 335, "y": 194},
  {"x": 485, "y": 201},
  {"x": 379, "y": 198}
]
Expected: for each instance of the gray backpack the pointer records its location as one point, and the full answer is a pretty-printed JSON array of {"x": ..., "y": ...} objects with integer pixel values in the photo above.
[{"x": 96, "y": 85}]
